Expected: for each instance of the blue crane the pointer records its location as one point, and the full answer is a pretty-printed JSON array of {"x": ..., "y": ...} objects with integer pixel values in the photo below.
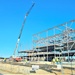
[{"x": 22, "y": 28}]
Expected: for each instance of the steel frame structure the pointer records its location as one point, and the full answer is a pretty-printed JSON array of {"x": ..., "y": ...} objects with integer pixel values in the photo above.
[{"x": 61, "y": 36}]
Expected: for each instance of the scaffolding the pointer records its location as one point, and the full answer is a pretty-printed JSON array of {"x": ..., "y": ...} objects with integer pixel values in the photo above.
[{"x": 62, "y": 38}]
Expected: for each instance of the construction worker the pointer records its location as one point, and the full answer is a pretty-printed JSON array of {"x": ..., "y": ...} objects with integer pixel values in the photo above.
[
  {"x": 25, "y": 60},
  {"x": 56, "y": 60},
  {"x": 4, "y": 60},
  {"x": 53, "y": 60}
]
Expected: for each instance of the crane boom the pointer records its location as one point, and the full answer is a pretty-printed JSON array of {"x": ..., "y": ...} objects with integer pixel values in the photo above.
[{"x": 22, "y": 28}]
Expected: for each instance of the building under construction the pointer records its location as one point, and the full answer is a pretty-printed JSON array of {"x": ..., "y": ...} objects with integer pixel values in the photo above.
[{"x": 58, "y": 41}]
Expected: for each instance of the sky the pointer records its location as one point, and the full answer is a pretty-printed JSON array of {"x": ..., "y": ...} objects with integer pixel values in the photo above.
[{"x": 45, "y": 14}]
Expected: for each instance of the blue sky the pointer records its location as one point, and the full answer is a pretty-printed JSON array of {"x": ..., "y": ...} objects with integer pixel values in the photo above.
[{"x": 44, "y": 15}]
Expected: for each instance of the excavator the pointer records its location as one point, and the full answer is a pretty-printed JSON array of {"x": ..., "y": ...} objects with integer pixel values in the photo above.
[{"x": 14, "y": 58}]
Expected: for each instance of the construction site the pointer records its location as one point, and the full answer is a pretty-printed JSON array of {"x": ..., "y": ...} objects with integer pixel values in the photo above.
[{"x": 53, "y": 52}]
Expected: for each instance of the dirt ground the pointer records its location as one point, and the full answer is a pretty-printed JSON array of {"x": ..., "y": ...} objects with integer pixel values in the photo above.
[
  {"x": 20, "y": 70},
  {"x": 7, "y": 69}
]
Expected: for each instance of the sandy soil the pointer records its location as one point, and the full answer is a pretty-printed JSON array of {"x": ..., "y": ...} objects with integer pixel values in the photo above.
[
  {"x": 23, "y": 70},
  {"x": 15, "y": 69}
]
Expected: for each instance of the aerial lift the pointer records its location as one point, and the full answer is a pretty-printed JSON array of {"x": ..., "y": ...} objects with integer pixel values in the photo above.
[{"x": 14, "y": 57}]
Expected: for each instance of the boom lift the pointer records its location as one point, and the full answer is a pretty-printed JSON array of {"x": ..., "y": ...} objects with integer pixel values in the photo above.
[{"x": 18, "y": 58}]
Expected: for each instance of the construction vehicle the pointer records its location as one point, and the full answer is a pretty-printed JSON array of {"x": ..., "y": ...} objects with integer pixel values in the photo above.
[
  {"x": 14, "y": 57},
  {"x": 17, "y": 59}
]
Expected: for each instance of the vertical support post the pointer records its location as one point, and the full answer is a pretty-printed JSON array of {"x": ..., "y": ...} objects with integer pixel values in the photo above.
[
  {"x": 38, "y": 48},
  {"x": 67, "y": 41},
  {"x": 33, "y": 47},
  {"x": 54, "y": 44},
  {"x": 29, "y": 56},
  {"x": 47, "y": 45}
]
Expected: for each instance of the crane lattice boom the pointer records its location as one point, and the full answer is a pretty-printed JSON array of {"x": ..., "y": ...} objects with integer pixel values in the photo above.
[{"x": 22, "y": 28}]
